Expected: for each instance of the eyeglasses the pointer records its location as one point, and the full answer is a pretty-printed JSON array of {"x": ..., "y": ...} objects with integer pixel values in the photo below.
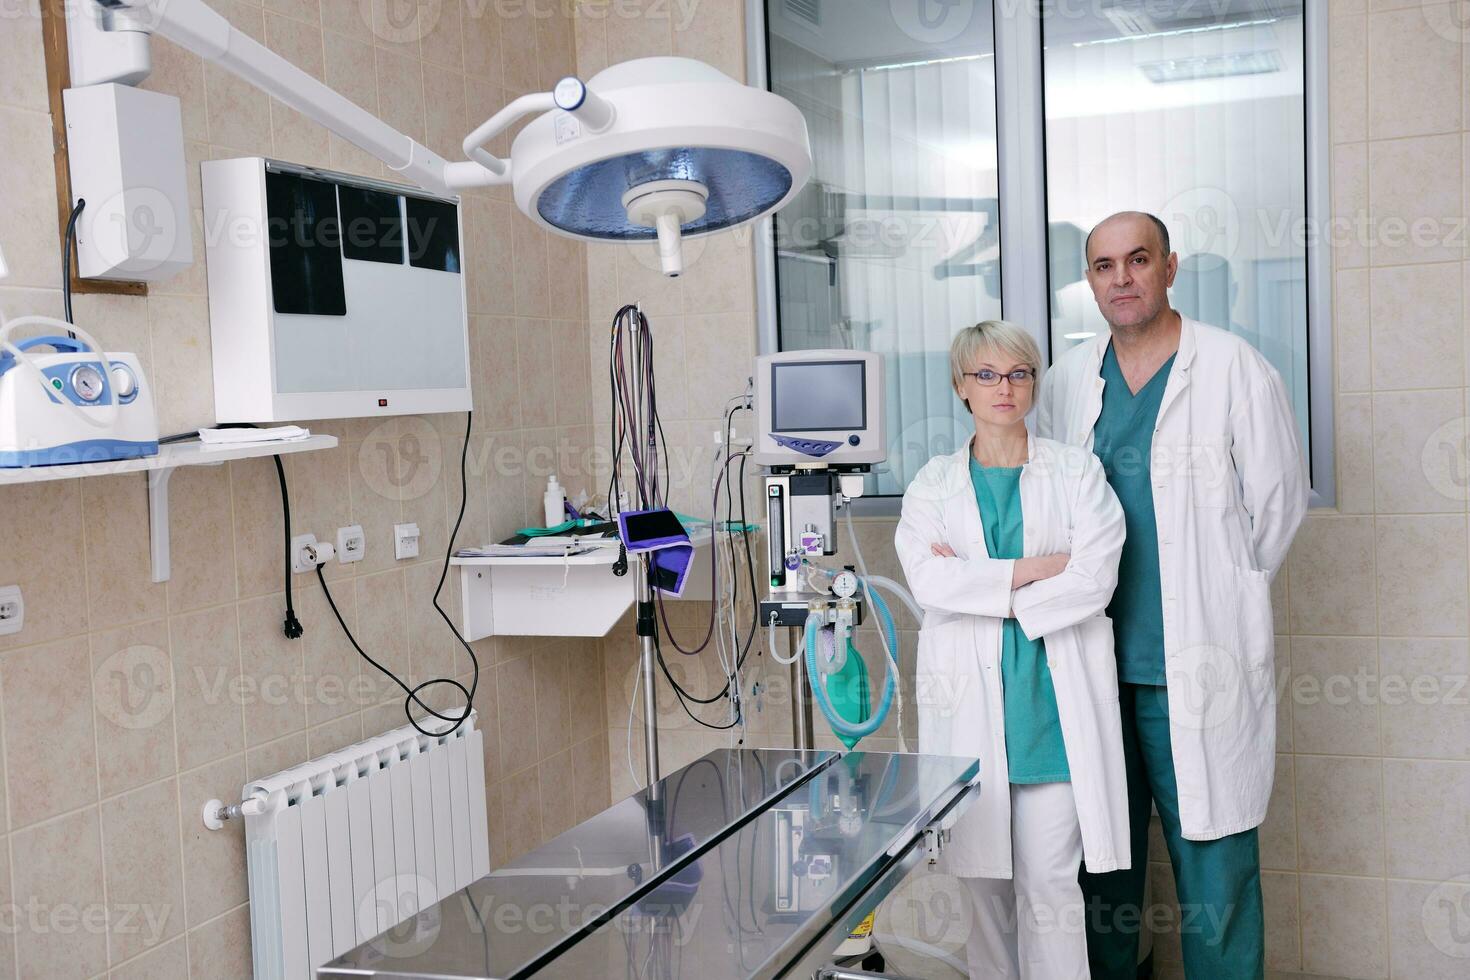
[{"x": 1021, "y": 377}]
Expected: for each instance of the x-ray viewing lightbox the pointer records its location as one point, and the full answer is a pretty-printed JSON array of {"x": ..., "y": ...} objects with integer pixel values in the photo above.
[{"x": 331, "y": 296}]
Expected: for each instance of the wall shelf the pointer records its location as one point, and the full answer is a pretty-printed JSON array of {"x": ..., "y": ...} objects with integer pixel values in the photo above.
[
  {"x": 553, "y": 596},
  {"x": 158, "y": 470}
]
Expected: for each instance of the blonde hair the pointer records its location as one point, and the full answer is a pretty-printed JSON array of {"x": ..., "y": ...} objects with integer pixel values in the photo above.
[{"x": 996, "y": 335}]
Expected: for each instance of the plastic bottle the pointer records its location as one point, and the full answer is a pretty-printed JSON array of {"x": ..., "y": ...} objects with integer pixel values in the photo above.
[{"x": 554, "y": 503}]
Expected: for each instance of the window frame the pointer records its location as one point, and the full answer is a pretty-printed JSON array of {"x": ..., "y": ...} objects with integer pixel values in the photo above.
[{"x": 1021, "y": 149}]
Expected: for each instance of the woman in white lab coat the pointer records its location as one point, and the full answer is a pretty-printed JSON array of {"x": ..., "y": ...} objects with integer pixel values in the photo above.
[{"x": 1011, "y": 547}]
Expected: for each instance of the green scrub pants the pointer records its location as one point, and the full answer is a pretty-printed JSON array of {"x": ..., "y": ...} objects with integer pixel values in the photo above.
[{"x": 1221, "y": 923}]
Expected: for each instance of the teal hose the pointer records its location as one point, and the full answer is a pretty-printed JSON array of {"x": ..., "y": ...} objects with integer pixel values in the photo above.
[{"x": 839, "y": 724}]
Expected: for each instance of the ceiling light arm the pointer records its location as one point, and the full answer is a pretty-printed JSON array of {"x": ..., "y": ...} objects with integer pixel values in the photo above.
[
  {"x": 570, "y": 94},
  {"x": 196, "y": 28}
]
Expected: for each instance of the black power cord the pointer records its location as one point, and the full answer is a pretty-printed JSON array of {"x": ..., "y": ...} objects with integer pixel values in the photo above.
[
  {"x": 411, "y": 694},
  {"x": 292, "y": 625},
  {"x": 66, "y": 255}
]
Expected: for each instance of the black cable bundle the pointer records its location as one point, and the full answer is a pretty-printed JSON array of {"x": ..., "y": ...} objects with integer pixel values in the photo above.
[{"x": 637, "y": 430}]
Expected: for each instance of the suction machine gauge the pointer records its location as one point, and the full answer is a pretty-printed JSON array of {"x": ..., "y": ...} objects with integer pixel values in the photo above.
[{"x": 87, "y": 382}]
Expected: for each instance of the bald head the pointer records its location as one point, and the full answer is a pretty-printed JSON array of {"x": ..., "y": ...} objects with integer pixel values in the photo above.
[
  {"x": 1130, "y": 268},
  {"x": 1160, "y": 230}
]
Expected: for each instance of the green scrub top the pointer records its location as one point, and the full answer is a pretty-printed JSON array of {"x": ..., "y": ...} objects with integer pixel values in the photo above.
[
  {"x": 1123, "y": 441},
  {"x": 1034, "y": 749}
]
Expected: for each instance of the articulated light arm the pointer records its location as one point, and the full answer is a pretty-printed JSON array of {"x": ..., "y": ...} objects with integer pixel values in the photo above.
[{"x": 201, "y": 30}]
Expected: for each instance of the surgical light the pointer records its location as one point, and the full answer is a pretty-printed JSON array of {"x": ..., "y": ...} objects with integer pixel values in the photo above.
[{"x": 655, "y": 149}]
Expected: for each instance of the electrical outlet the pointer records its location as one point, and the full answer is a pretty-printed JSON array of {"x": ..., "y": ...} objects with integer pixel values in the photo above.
[
  {"x": 405, "y": 541},
  {"x": 302, "y": 547},
  {"x": 351, "y": 544},
  {"x": 12, "y": 610}
]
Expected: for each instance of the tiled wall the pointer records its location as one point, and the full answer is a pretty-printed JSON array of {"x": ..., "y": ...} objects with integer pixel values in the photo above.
[
  {"x": 1366, "y": 849},
  {"x": 124, "y": 705}
]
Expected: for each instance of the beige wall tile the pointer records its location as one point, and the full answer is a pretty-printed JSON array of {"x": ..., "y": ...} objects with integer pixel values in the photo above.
[
  {"x": 1415, "y": 74},
  {"x": 1344, "y": 928},
  {"x": 168, "y": 961},
  {"x": 24, "y": 82},
  {"x": 1350, "y": 205},
  {"x": 1426, "y": 935},
  {"x": 209, "y": 690},
  {"x": 141, "y": 862},
  {"x": 1283, "y": 921},
  {"x": 522, "y": 822},
  {"x": 443, "y": 41},
  {"x": 553, "y": 702},
  {"x": 1334, "y": 694},
  {"x": 1349, "y": 78},
  {"x": 214, "y": 862},
  {"x": 558, "y": 794},
  {"x": 1426, "y": 712},
  {"x": 1421, "y": 575},
  {"x": 712, "y": 32},
  {"x": 28, "y": 200},
  {"x": 516, "y": 701},
  {"x": 202, "y": 540},
  {"x": 591, "y": 776},
  {"x": 1430, "y": 806},
  {"x": 1340, "y": 814},
  {"x": 1331, "y": 568},
  {"x": 120, "y": 588},
  {"x": 1416, "y": 475},
  {"x": 221, "y": 948},
  {"x": 133, "y": 695},
  {"x": 48, "y": 717},
  {"x": 1278, "y": 834},
  {"x": 1416, "y": 198},
  {"x": 1354, "y": 445},
  {"x": 641, "y": 31},
  {"x": 44, "y": 555},
  {"x": 1417, "y": 332},
  {"x": 58, "y": 871}
]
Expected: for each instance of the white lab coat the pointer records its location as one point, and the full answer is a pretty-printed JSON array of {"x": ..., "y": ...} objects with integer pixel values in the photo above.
[
  {"x": 1230, "y": 488},
  {"x": 1066, "y": 506}
]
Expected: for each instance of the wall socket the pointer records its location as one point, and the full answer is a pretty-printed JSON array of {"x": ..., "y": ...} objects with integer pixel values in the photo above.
[
  {"x": 12, "y": 610},
  {"x": 301, "y": 546},
  {"x": 405, "y": 541},
  {"x": 351, "y": 544}
]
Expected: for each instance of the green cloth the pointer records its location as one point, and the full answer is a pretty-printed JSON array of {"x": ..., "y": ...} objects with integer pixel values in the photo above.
[
  {"x": 1123, "y": 439},
  {"x": 1034, "y": 749},
  {"x": 1218, "y": 881}
]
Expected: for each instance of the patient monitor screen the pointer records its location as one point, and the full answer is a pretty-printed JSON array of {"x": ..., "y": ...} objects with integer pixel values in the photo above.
[{"x": 816, "y": 396}]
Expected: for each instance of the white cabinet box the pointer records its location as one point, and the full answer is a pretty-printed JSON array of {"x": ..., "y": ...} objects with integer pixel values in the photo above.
[{"x": 331, "y": 296}]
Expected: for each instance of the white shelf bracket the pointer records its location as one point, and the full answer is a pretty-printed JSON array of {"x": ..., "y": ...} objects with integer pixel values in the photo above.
[{"x": 158, "y": 545}]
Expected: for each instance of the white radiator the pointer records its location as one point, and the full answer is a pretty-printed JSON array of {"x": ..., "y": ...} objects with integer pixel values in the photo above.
[{"x": 354, "y": 842}]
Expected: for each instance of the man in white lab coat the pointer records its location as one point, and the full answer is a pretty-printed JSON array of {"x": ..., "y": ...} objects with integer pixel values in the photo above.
[{"x": 1199, "y": 442}]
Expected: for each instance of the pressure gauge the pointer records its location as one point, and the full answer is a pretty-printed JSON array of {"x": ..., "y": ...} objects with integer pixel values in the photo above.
[
  {"x": 123, "y": 381},
  {"x": 87, "y": 382},
  {"x": 845, "y": 585}
]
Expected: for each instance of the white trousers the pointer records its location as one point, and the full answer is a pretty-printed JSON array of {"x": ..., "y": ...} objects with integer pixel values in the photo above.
[{"x": 1032, "y": 925}]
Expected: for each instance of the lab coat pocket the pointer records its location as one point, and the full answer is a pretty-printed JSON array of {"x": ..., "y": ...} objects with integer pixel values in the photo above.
[
  {"x": 1255, "y": 629},
  {"x": 1099, "y": 663}
]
